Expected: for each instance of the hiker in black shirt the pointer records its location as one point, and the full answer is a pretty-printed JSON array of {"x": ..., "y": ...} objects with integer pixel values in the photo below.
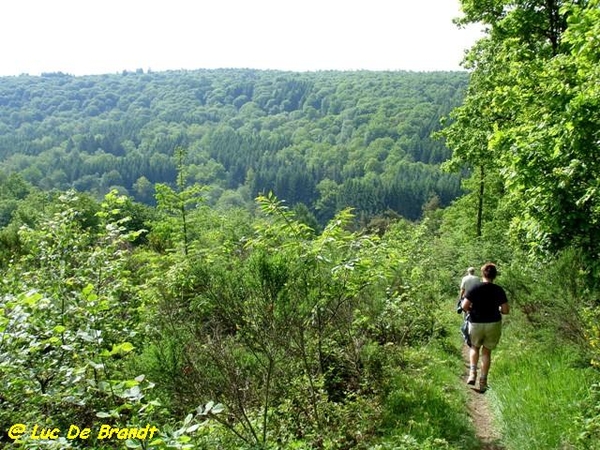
[{"x": 485, "y": 304}]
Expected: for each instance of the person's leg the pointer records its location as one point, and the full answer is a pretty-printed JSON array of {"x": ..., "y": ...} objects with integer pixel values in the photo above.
[
  {"x": 486, "y": 361},
  {"x": 474, "y": 356},
  {"x": 473, "y": 361},
  {"x": 492, "y": 337}
]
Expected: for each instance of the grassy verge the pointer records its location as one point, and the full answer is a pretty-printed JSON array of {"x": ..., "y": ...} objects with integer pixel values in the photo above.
[
  {"x": 424, "y": 400},
  {"x": 538, "y": 391}
]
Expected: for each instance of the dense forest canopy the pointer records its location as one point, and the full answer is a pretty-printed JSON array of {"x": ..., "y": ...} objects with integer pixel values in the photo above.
[
  {"x": 530, "y": 119},
  {"x": 328, "y": 140},
  {"x": 177, "y": 306}
]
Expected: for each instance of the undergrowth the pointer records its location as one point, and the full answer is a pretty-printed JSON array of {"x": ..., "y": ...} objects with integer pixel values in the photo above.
[
  {"x": 424, "y": 400},
  {"x": 539, "y": 390}
]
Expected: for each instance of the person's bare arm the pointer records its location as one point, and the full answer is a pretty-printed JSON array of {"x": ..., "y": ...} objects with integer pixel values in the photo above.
[
  {"x": 504, "y": 308},
  {"x": 466, "y": 305}
]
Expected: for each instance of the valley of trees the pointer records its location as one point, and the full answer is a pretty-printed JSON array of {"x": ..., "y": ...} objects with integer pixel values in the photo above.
[
  {"x": 232, "y": 306},
  {"x": 326, "y": 140}
]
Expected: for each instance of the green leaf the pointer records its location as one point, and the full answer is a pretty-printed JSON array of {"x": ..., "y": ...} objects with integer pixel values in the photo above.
[
  {"x": 217, "y": 409},
  {"x": 127, "y": 347},
  {"x": 96, "y": 366},
  {"x": 121, "y": 349},
  {"x": 192, "y": 428}
]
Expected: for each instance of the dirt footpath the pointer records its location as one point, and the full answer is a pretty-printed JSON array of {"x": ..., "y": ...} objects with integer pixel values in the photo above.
[{"x": 480, "y": 413}]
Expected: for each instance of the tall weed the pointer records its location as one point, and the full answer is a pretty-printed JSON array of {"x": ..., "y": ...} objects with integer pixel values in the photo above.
[
  {"x": 537, "y": 391},
  {"x": 424, "y": 402}
]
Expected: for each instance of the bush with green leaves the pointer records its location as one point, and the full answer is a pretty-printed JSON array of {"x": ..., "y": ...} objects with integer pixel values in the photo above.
[
  {"x": 277, "y": 327},
  {"x": 69, "y": 323}
]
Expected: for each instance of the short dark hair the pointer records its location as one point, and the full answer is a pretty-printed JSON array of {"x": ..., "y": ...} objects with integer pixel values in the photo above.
[{"x": 489, "y": 271}]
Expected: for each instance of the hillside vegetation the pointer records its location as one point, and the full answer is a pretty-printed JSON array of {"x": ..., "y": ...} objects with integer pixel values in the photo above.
[
  {"x": 199, "y": 323},
  {"x": 327, "y": 140}
]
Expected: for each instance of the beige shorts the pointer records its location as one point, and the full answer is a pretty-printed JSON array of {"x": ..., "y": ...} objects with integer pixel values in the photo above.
[{"x": 485, "y": 334}]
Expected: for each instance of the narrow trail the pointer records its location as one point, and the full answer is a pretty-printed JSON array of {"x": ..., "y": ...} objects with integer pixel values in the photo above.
[{"x": 480, "y": 413}]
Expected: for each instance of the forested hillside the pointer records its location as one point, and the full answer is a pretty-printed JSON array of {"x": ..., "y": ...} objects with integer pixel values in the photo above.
[
  {"x": 328, "y": 140},
  {"x": 195, "y": 322}
]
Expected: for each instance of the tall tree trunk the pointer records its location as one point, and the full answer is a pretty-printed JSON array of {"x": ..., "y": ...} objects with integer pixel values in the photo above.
[
  {"x": 480, "y": 200},
  {"x": 556, "y": 25}
]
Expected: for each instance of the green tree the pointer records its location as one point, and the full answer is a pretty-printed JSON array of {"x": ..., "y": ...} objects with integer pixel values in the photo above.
[
  {"x": 143, "y": 190},
  {"x": 531, "y": 116},
  {"x": 522, "y": 117},
  {"x": 272, "y": 326},
  {"x": 176, "y": 204},
  {"x": 69, "y": 323}
]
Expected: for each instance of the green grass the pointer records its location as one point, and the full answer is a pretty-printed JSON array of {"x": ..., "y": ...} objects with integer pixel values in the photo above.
[
  {"x": 538, "y": 389},
  {"x": 424, "y": 404}
]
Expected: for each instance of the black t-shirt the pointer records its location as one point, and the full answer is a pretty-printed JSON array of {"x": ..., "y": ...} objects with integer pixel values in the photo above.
[{"x": 486, "y": 299}]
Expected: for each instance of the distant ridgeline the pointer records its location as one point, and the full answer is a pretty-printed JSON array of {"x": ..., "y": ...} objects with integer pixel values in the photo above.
[{"x": 326, "y": 139}]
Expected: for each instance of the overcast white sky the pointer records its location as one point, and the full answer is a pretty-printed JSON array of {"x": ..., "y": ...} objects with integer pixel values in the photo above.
[{"x": 82, "y": 37}]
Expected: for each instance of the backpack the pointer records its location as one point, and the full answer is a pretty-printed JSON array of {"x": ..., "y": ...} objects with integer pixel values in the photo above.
[{"x": 464, "y": 329}]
